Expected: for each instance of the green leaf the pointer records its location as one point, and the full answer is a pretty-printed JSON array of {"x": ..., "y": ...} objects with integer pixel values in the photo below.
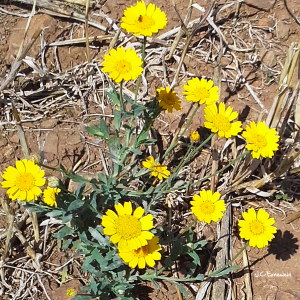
[
  {"x": 83, "y": 297},
  {"x": 99, "y": 237},
  {"x": 181, "y": 289},
  {"x": 66, "y": 244},
  {"x": 147, "y": 141},
  {"x": 94, "y": 130},
  {"x": 104, "y": 129},
  {"x": 63, "y": 233},
  {"x": 75, "y": 205},
  {"x": 199, "y": 245},
  {"x": 93, "y": 285},
  {"x": 54, "y": 213},
  {"x": 113, "y": 144},
  {"x": 64, "y": 274},
  {"x": 224, "y": 272},
  {"x": 195, "y": 257},
  {"x": 112, "y": 94},
  {"x": 127, "y": 98},
  {"x": 117, "y": 119},
  {"x": 102, "y": 178},
  {"x": 137, "y": 109}
]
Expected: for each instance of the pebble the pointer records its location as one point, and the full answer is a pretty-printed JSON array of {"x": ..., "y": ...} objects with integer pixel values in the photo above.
[
  {"x": 283, "y": 31},
  {"x": 269, "y": 59}
]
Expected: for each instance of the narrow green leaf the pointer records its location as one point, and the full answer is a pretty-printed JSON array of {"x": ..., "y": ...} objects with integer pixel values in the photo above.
[
  {"x": 104, "y": 129},
  {"x": 224, "y": 272},
  {"x": 195, "y": 258},
  {"x": 112, "y": 94},
  {"x": 181, "y": 289},
  {"x": 117, "y": 119},
  {"x": 99, "y": 237},
  {"x": 64, "y": 274}
]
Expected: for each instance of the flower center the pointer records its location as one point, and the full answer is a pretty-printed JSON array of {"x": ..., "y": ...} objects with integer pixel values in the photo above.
[
  {"x": 257, "y": 227},
  {"x": 145, "y": 22},
  {"x": 128, "y": 227},
  {"x": 222, "y": 123},
  {"x": 260, "y": 141},
  {"x": 123, "y": 66},
  {"x": 25, "y": 182},
  {"x": 202, "y": 93},
  {"x": 208, "y": 207},
  {"x": 142, "y": 252},
  {"x": 168, "y": 98}
]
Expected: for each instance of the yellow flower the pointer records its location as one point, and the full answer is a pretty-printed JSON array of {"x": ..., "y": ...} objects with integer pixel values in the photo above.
[
  {"x": 219, "y": 120},
  {"x": 207, "y": 207},
  {"x": 168, "y": 99},
  {"x": 143, "y": 20},
  {"x": 71, "y": 293},
  {"x": 157, "y": 169},
  {"x": 122, "y": 65},
  {"x": 129, "y": 231},
  {"x": 262, "y": 140},
  {"x": 143, "y": 255},
  {"x": 201, "y": 91},
  {"x": 49, "y": 196},
  {"x": 195, "y": 137},
  {"x": 23, "y": 182},
  {"x": 257, "y": 229}
]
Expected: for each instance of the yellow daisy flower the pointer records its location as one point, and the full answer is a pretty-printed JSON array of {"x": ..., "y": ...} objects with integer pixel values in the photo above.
[
  {"x": 201, "y": 91},
  {"x": 207, "y": 207},
  {"x": 143, "y": 255},
  {"x": 168, "y": 99},
  {"x": 262, "y": 140},
  {"x": 23, "y": 182},
  {"x": 129, "y": 231},
  {"x": 257, "y": 229},
  {"x": 71, "y": 293},
  {"x": 49, "y": 196},
  {"x": 122, "y": 64},
  {"x": 143, "y": 20},
  {"x": 219, "y": 120},
  {"x": 157, "y": 169},
  {"x": 195, "y": 136}
]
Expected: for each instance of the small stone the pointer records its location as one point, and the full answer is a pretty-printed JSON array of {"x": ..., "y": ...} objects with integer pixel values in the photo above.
[
  {"x": 269, "y": 59},
  {"x": 283, "y": 31},
  {"x": 261, "y": 4}
]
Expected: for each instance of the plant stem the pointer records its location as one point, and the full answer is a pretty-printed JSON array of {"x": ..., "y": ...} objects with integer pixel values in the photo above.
[
  {"x": 140, "y": 77},
  {"x": 189, "y": 155},
  {"x": 121, "y": 96},
  {"x": 173, "y": 145},
  {"x": 207, "y": 177},
  {"x": 215, "y": 274}
]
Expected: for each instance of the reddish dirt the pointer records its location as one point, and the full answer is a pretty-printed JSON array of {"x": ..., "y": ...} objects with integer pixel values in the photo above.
[{"x": 60, "y": 135}]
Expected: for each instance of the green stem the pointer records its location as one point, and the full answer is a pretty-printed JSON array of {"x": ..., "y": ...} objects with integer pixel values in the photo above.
[
  {"x": 215, "y": 274},
  {"x": 171, "y": 147},
  {"x": 121, "y": 97},
  {"x": 208, "y": 177},
  {"x": 189, "y": 155},
  {"x": 183, "y": 161},
  {"x": 140, "y": 77},
  {"x": 200, "y": 147},
  {"x": 171, "y": 279}
]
